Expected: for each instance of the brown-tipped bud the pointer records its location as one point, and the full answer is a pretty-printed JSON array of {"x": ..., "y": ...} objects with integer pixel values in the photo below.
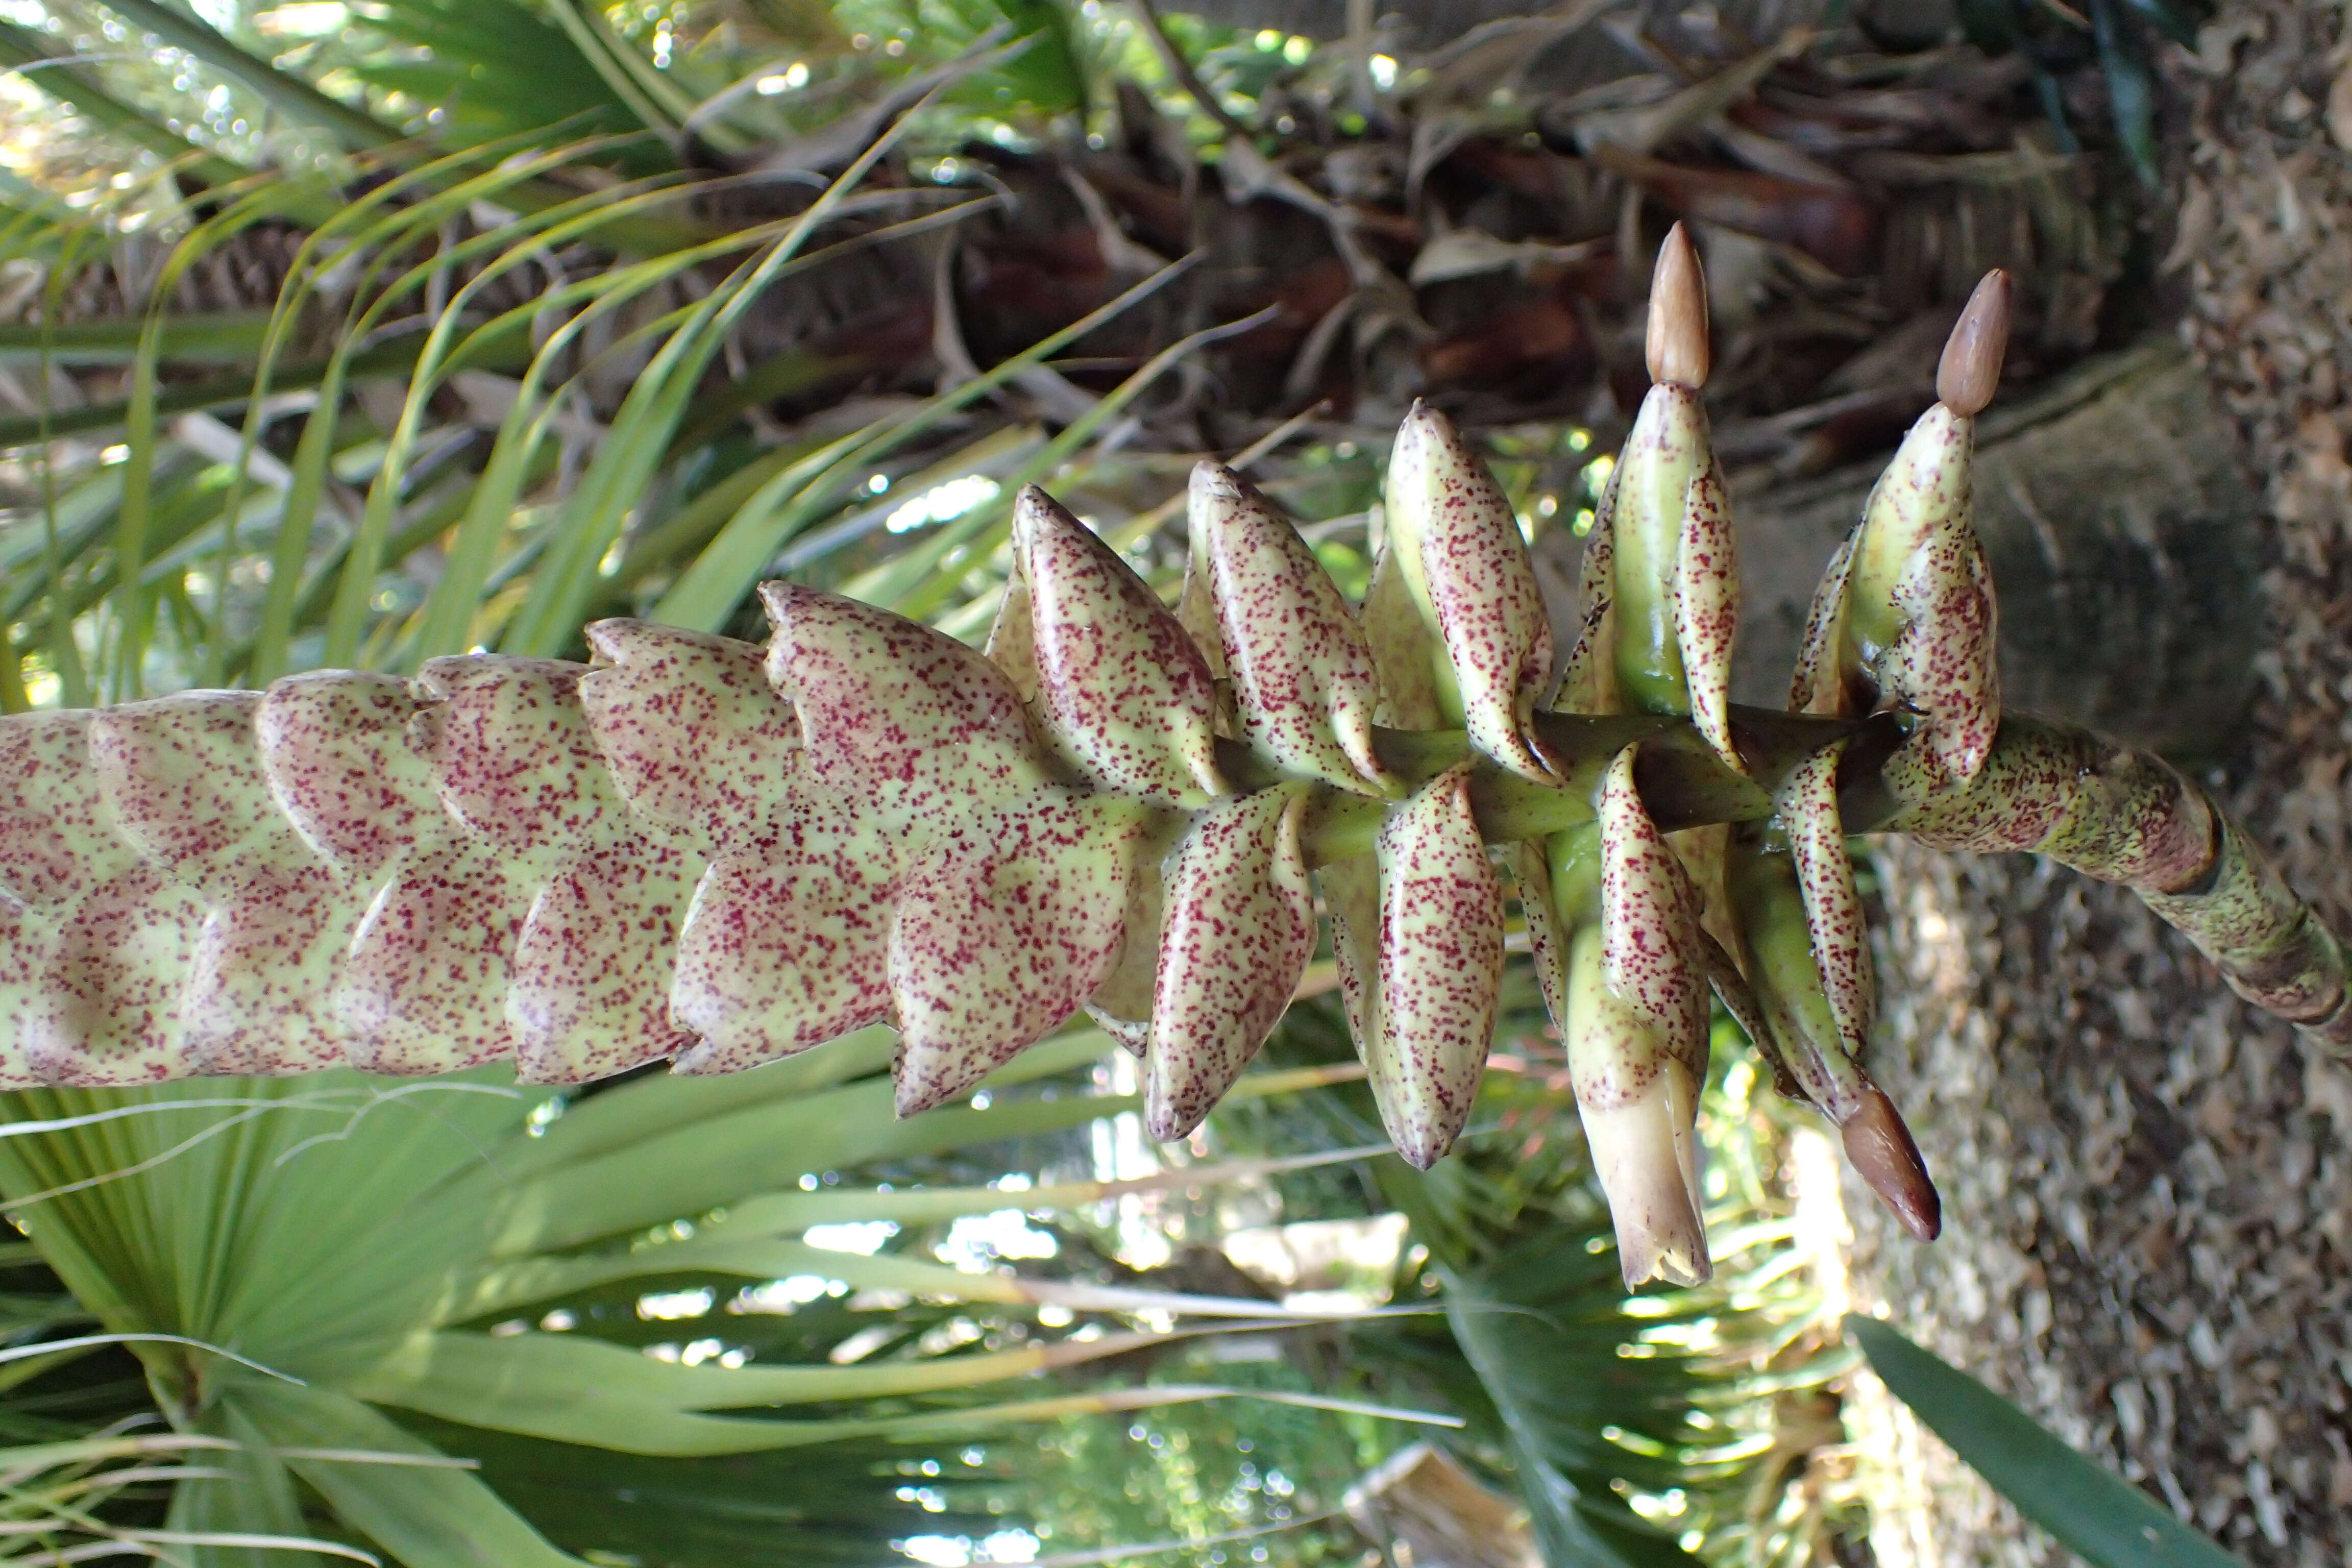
[
  {"x": 1970, "y": 370},
  {"x": 1882, "y": 1152},
  {"x": 1676, "y": 346}
]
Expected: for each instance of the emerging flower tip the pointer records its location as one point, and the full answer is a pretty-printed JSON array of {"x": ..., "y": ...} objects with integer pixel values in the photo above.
[
  {"x": 1970, "y": 370},
  {"x": 1650, "y": 1188},
  {"x": 1882, "y": 1151},
  {"x": 1677, "y": 345}
]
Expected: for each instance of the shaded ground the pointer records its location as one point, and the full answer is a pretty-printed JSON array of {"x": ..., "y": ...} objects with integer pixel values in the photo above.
[{"x": 2150, "y": 1227}]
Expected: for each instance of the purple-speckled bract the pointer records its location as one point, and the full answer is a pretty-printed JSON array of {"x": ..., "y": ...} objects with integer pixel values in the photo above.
[
  {"x": 1122, "y": 686},
  {"x": 1441, "y": 966},
  {"x": 1005, "y": 927},
  {"x": 1453, "y": 529},
  {"x": 1303, "y": 678},
  {"x": 1238, "y": 929}
]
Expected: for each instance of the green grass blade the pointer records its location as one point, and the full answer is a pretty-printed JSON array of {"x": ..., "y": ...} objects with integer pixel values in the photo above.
[
  {"x": 289, "y": 94},
  {"x": 2094, "y": 1513},
  {"x": 133, "y": 609},
  {"x": 254, "y": 1495},
  {"x": 231, "y": 337},
  {"x": 211, "y": 393},
  {"x": 532, "y": 1382},
  {"x": 641, "y": 432},
  {"x": 428, "y": 1516},
  {"x": 790, "y": 1212},
  {"x": 297, "y": 519},
  {"x": 571, "y": 1389},
  {"x": 709, "y": 590}
]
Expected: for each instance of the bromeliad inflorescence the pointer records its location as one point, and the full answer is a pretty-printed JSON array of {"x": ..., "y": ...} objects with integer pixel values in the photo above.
[{"x": 702, "y": 850}]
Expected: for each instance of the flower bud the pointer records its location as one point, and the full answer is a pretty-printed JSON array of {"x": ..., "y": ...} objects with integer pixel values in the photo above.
[
  {"x": 784, "y": 946},
  {"x": 1453, "y": 535},
  {"x": 1639, "y": 1103},
  {"x": 1120, "y": 684},
  {"x": 894, "y": 714},
  {"x": 1807, "y": 810},
  {"x": 1303, "y": 678},
  {"x": 1905, "y": 617},
  {"x": 1673, "y": 600},
  {"x": 695, "y": 737},
  {"x": 1808, "y": 1039},
  {"x": 1238, "y": 930},
  {"x": 1637, "y": 1037},
  {"x": 1440, "y": 967},
  {"x": 1002, "y": 931}
]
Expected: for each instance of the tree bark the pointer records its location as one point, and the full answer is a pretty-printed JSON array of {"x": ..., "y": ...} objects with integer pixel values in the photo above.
[{"x": 2148, "y": 1236}]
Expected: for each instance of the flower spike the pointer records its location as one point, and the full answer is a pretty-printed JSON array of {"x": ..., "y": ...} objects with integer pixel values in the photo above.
[{"x": 704, "y": 850}]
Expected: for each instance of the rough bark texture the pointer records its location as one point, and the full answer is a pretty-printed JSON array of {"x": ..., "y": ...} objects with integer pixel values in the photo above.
[{"x": 2149, "y": 1236}]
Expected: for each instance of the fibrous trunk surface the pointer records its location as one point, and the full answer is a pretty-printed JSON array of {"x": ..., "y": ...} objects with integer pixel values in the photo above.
[{"x": 2158, "y": 1260}]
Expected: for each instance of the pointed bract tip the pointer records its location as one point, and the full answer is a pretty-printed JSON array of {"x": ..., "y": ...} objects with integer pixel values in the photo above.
[
  {"x": 1167, "y": 1124},
  {"x": 1882, "y": 1151},
  {"x": 1211, "y": 479},
  {"x": 1420, "y": 1150},
  {"x": 778, "y": 598},
  {"x": 1031, "y": 504},
  {"x": 1970, "y": 370},
  {"x": 1677, "y": 345},
  {"x": 912, "y": 1096}
]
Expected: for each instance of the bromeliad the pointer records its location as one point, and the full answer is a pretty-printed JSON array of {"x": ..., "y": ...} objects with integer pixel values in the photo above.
[{"x": 702, "y": 850}]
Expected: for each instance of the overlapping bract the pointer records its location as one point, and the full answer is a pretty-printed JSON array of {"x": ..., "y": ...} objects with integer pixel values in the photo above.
[
  {"x": 704, "y": 850},
  {"x": 701, "y": 849}
]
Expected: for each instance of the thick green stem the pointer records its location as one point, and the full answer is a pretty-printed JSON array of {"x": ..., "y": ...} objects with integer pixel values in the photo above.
[
  {"x": 1683, "y": 784},
  {"x": 2123, "y": 815},
  {"x": 2110, "y": 812}
]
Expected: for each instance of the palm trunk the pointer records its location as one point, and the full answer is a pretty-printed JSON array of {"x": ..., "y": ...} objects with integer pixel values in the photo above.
[{"x": 2154, "y": 1256}]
